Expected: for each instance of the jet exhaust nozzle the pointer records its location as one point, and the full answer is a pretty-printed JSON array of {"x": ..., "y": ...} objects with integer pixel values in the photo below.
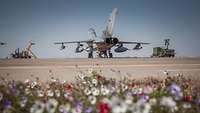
[{"x": 112, "y": 40}]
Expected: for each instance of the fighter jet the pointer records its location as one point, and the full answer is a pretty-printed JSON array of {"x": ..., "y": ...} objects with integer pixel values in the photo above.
[{"x": 107, "y": 42}]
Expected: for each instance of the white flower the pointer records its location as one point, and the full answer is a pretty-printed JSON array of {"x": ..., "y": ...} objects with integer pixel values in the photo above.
[
  {"x": 22, "y": 104},
  {"x": 95, "y": 91},
  {"x": 76, "y": 110},
  {"x": 118, "y": 90},
  {"x": 50, "y": 93},
  {"x": 64, "y": 108},
  {"x": 124, "y": 87},
  {"x": 51, "y": 105},
  {"x": 144, "y": 108},
  {"x": 40, "y": 93},
  {"x": 92, "y": 99},
  {"x": 153, "y": 101},
  {"x": 117, "y": 105},
  {"x": 137, "y": 91},
  {"x": 57, "y": 93},
  {"x": 63, "y": 82},
  {"x": 187, "y": 105},
  {"x": 53, "y": 80},
  {"x": 90, "y": 84},
  {"x": 147, "y": 108},
  {"x": 87, "y": 91},
  {"x": 112, "y": 89},
  {"x": 66, "y": 95},
  {"x": 81, "y": 76},
  {"x": 104, "y": 90},
  {"x": 84, "y": 82},
  {"x": 95, "y": 82},
  {"x": 141, "y": 107},
  {"x": 90, "y": 71},
  {"x": 26, "y": 81},
  {"x": 169, "y": 102},
  {"x": 33, "y": 84},
  {"x": 27, "y": 91},
  {"x": 38, "y": 107},
  {"x": 129, "y": 99}
]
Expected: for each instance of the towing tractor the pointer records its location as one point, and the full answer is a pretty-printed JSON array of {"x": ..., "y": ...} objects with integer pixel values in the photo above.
[{"x": 24, "y": 54}]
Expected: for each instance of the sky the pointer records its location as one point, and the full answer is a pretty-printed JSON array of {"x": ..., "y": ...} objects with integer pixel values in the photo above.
[{"x": 47, "y": 21}]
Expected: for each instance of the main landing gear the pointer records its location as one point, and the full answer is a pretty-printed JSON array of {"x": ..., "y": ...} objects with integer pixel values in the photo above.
[
  {"x": 103, "y": 54},
  {"x": 110, "y": 54},
  {"x": 90, "y": 55}
]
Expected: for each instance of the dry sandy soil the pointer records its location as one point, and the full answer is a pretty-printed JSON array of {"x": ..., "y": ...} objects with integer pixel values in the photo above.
[{"x": 67, "y": 69}]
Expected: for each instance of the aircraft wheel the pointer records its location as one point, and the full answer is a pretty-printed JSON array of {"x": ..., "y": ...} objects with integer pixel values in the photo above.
[
  {"x": 100, "y": 55},
  {"x": 105, "y": 54},
  {"x": 110, "y": 55}
]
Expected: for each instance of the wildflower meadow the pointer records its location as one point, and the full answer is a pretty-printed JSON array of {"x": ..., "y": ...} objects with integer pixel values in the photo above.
[{"x": 94, "y": 93}]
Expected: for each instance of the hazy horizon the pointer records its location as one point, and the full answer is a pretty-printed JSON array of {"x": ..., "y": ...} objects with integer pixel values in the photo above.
[{"x": 48, "y": 21}]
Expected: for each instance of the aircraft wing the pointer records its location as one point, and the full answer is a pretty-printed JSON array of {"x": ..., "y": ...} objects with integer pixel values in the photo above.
[
  {"x": 85, "y": 41},
  {"x": 124, "y": 42}
]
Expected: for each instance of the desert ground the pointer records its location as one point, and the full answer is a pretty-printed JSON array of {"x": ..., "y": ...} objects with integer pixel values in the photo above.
[{"x": 67, "y": 69}]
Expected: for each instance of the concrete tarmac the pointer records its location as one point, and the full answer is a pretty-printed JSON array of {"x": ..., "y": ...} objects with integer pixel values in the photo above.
[{"x": 67, "y": 69}]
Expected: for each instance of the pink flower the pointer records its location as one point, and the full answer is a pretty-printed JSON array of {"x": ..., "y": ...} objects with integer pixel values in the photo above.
[{"x": 69, "y": 87}]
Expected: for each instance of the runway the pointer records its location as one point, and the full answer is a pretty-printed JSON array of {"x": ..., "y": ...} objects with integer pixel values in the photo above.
[{"x": 67, "y": 69}]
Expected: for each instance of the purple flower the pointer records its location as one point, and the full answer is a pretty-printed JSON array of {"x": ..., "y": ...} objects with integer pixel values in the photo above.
[
  {"x": 144, "y": 98},
  {"x": 7, "y": 104},
  {"x": 174, "y": 89},
  {"x": 14, "y": 89},
  {"x": 79, "y": 105},
  {"x": 89, "y": 110}
]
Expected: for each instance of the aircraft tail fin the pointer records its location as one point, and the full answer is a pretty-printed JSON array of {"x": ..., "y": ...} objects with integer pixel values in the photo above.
[
  {"x": 111, "y": 21},
  {"x": 92, "y": 33}
]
